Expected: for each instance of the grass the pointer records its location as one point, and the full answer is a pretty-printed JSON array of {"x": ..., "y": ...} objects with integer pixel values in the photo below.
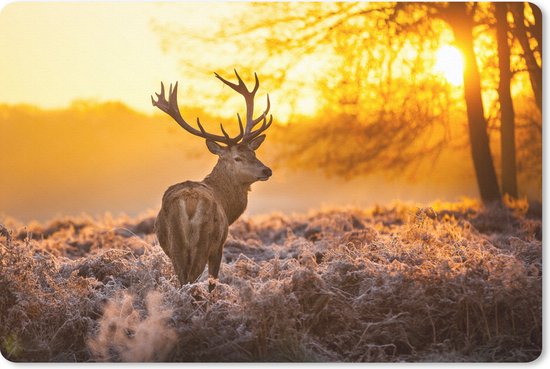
[{"x": 453, "y": 282}]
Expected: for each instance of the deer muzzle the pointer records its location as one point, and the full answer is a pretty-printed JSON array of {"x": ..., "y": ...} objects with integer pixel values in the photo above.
[{"x": 266, "y": 173}]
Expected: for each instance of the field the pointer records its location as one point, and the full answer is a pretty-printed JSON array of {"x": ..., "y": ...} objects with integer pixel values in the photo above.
[{"x": 451, "y": 282}]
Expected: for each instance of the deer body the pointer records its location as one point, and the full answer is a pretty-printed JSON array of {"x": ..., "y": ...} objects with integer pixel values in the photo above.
[
  {"x": 193, "y": 221},
  {"x": 191, "y": 227}
]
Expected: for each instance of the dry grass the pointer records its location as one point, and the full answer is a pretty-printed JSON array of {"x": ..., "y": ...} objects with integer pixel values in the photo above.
[{"x": 394, "y": 283}]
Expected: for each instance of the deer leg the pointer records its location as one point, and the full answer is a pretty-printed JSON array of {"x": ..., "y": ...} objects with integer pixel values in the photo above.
[
  {"x": 199, "y": 256},
  {"x": 173, "y": 240},
  {"x": 214, "y": 263}
]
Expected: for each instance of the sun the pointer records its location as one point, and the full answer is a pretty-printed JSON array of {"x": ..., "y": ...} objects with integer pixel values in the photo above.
[{"x": 449, "y": 63}]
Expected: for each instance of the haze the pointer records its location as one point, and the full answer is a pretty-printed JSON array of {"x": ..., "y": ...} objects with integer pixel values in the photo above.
[{"x": 80, "y": 134}]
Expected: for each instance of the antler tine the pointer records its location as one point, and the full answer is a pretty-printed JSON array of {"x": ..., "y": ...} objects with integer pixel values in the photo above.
[
  {"x": 256, "y": 84},
  {"x": 200, "y": 126},
  {"x": 264, "y": 114},
  {"x": 224, "y": 133},
  {"x": 235, "y": 87},
  {"x": 174, "y": 93},
  {"x": 265, "y": 125},
  {"x": 241, "y": 129},
  {"x": 159, "y": 96},
  {"x": 241, "y": 82}
]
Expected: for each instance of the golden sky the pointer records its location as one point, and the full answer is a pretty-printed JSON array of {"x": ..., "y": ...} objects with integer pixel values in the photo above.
[{"x": 54, "y": 53}]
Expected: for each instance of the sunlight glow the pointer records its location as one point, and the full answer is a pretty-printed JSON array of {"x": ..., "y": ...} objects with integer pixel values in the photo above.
[
  {"x": 449, "y": 63},
  {"x": 307, "y": 105}
]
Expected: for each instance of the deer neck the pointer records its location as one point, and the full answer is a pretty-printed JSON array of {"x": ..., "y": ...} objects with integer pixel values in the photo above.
[{"x": 232, "y": 195}]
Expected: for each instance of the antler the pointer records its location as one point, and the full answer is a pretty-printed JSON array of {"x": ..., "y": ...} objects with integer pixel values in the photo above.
[
  {"x": 247, "y": 134},
  {"x": 171, "y": 108},
  {"x": 241, "y": 88}
]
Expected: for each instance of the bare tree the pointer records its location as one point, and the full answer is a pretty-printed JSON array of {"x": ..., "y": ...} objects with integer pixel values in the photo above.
[
  {"x": 382, "y": 110},
  {"x": 524, "y": 34},
  {"x": 460, "y": 17},
  {"x": 507, "y": 115}
]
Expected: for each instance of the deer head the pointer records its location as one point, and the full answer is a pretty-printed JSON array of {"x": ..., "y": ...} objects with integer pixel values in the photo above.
[{"x": 236, "y": 154}]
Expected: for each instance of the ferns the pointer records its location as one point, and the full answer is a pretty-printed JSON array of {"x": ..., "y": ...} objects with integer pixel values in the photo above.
[{"x": 452, "y": 283}]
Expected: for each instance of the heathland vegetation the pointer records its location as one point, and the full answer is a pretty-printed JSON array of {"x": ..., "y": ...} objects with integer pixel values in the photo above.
[{"x": 451, "y": 282}]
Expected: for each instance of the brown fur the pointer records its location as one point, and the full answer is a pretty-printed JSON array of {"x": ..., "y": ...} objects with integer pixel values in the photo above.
[{"x": 193, "y": 222}]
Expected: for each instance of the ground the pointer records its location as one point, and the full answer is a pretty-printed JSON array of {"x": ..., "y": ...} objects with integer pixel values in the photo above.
[{"x": 449, "y": 282}]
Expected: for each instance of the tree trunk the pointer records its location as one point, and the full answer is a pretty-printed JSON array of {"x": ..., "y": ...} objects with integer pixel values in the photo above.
[
  {"x": 462, "y": 24},
  {"x": 536, "y": 30},
  {"x": 520, "y": 31},
  {"x": 507, "y": 116}
]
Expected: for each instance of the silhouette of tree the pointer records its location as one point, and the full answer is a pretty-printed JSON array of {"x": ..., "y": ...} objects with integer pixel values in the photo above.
[
  {"x": 383, "y": 108},
  {"x": 460, "y": 16},
  {"x": 507, "y": 115},
  {"x": 525, "y": 31}
]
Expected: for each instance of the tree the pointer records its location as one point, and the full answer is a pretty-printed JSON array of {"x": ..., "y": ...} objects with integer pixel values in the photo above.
[
  {"x": 525, "y": 27},
  {"x": 461, "y": 19},
  {"x": 381, "y": 98},
  {"x": 383, "y": 108},
  {"x": 532, "y": 56},
  {"x": 507, "y": 115}
]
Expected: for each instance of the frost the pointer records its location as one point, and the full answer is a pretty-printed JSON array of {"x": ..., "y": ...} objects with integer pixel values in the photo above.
[
  {"x": 450, "y": 282},
  {"x": 123, "y": 334}
]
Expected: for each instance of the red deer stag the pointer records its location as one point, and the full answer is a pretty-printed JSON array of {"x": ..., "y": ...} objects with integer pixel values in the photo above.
[{"x": 194, "y": 218}]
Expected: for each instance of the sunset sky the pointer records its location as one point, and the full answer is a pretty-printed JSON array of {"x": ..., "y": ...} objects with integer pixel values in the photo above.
[
  {"x": 53, "y": 53},
  {"x": 111, "y": 159}
]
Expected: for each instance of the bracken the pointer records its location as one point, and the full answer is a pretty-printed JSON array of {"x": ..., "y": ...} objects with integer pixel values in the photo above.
[{"x": 399, "y": 283}]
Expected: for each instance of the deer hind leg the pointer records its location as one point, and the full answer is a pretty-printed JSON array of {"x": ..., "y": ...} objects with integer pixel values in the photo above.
[
  {"x": 214, "y": 262},
  {"x": 189, "y": 256},
  {"x": 173, "y": 238},
  {"x": 216, "y": 251},
  {"x": 198, "y": 252},
  {"x": 182, "y": 239},
  {"x": 202, "y": 234}
]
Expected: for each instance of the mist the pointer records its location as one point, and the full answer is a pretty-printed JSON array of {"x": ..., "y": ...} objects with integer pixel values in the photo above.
[{"x": 97, "y": 158}]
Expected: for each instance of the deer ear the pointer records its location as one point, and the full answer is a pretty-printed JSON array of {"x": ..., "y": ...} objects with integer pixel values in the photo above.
[
  {"x": 255, "y": 143},
  {"x": 214, "y": 147}
]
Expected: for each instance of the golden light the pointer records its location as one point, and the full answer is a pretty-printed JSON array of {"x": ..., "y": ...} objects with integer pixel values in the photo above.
[
  {"x": 303, "y": 106},
  {"x": 449, "y": 63},
  {"x": 307, "y": 105}
]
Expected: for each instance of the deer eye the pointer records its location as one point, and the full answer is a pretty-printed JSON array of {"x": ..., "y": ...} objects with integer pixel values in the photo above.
[{"x": 238, "y": 159}]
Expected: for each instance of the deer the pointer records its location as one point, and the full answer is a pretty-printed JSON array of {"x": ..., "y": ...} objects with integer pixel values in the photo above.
[{"x": 194, "y": 218}]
